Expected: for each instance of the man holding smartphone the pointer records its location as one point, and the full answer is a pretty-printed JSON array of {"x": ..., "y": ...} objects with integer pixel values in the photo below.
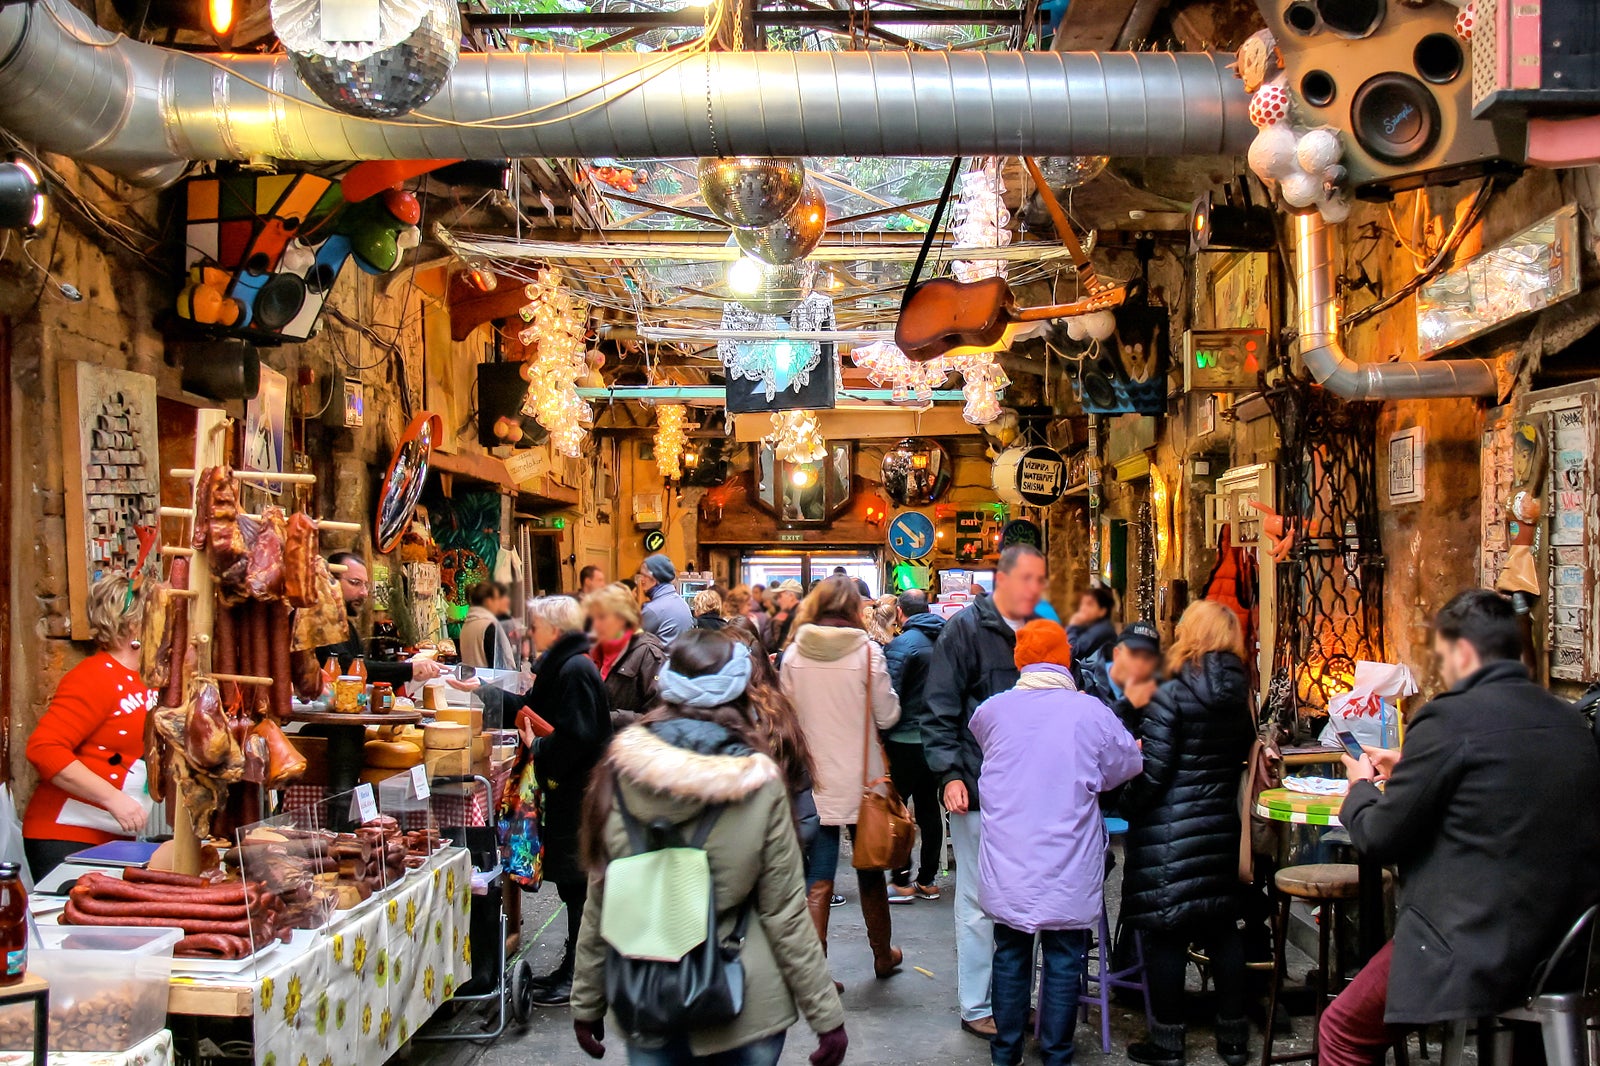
[{"x": 1492, "y": 816}]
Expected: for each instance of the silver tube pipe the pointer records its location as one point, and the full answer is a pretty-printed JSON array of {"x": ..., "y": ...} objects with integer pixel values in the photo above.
[
  {"x": 1323, "y": 353},
  {"x": 69, "y": 87}
]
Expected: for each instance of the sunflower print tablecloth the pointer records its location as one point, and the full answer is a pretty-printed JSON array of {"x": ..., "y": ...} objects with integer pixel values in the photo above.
[
  {"x": 156, "y": 1051},
  {"x": 373, "y": 980}
]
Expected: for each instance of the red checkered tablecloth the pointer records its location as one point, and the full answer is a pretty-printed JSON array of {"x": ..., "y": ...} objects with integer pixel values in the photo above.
[{"x": 451, "y": 805}]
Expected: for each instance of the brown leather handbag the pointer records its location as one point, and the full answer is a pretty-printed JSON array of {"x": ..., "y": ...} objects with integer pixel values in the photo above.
[{"x": 884, "y": 829}]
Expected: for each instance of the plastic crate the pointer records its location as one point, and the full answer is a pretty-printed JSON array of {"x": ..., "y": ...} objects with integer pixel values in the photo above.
[{"x": 108, "y": 987}]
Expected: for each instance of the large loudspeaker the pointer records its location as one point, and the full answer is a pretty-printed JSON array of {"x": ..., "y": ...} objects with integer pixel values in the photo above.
[{"x": 1395, "y": 79}]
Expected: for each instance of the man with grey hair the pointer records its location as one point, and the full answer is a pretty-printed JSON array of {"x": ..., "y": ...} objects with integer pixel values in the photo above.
[
  {"x": 664, "y": 612},
  {"x": 974, "y": 660}
]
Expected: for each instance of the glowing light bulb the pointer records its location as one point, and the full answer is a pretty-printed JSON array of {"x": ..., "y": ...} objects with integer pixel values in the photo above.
[{"x": 744, "y": 277}]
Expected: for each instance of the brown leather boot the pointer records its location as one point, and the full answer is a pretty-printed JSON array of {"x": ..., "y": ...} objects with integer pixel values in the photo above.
[
  {"x": 886, "y": 958},
  {"x": 819, "y": 898}
]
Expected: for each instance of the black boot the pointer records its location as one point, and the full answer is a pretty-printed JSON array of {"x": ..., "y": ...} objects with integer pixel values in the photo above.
[
  {"x": 1233, "y": 1040},
  {"x": 1164, "y": 1046},
  {"x": 554, "y": 989}
]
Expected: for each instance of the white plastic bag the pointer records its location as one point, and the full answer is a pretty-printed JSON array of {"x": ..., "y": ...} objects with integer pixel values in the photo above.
[
  {"x": 1370, "y": 708},
  {"x": 11, "y": 849}
]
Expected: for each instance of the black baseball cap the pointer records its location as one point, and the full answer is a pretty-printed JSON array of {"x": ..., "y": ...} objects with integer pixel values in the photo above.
[{"x": 1141, "y": 636}]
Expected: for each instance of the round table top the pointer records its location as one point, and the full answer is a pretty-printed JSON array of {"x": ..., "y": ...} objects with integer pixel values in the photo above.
[
  {"x": 336, "y": 718},
  {"x": 1301, "y": 808}
]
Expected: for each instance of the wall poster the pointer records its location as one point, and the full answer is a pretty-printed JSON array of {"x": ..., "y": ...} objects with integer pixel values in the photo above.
[
  {"x": 110, "y": 452},
  {"x": 1406, "y": 450},
  {"x": 264, "y": 419}
]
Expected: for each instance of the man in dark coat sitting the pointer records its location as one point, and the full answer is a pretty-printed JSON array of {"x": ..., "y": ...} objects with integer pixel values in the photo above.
[{"x": 1492, "y": 816}]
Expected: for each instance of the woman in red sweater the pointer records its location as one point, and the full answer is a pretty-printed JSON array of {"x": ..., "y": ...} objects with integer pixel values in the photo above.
[{"x": 90, "y": 740}]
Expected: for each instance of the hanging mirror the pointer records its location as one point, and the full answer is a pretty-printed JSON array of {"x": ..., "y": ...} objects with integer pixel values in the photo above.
[
  {"x": 402, "y": 485},
  {"x": 916, "y": 472}
]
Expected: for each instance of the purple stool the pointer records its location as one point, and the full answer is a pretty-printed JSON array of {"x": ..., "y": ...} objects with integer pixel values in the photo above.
[{"x": 1105, "y": 980}]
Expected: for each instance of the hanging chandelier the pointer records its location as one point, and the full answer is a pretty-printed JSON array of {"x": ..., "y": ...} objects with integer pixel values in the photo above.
[
  {"x": 670, "y": 440},
  {"x": 556, "y": 325},
  {"x": 796, "y": 437},
  {"x": 982, "y": 378},
  {"x": 981, "y": 221},
  {"x": 778, "y": 365}
]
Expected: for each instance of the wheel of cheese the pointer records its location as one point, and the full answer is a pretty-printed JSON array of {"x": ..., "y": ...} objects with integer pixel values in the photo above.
[
  {"x": 445, "y": 736},
  {"x": 391, "y": 754}
]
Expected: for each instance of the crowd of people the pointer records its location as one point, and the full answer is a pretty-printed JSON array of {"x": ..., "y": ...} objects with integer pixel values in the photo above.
[{"x": 754, "y": 721}]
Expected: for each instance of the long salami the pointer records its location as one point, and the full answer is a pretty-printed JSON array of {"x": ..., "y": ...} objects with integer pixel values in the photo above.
[
  {"x": 259, "y": 699},
  {"x": 107, "y": 887},
  {"x": 115, "y": 908},
  {"x": 74, "y": 915},
  {"x": 217, "y": 945},
  {"x": 278, "y": 659},
  {"x": 135, "y": 874}
]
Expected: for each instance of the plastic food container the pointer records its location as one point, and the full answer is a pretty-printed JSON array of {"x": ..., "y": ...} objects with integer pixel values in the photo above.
[{"x": 108, "y": 987}]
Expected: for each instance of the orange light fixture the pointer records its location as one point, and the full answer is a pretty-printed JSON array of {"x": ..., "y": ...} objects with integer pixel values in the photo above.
[{"x": 220, "y": 17}]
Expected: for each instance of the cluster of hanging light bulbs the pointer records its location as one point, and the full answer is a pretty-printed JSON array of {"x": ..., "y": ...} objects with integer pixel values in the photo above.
[
  {"x": 796, "y": 437},
  {"x": 670, "y": 440},
  {"x": 556, "y": 324},
  {"x": 980, "y": 220},
  {"x": 982, "y": 378}
]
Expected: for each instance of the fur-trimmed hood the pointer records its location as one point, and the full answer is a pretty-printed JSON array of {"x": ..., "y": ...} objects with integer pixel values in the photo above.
[
  {"x": 826, "y": 644},
  {"x": 681, "y": 765}
]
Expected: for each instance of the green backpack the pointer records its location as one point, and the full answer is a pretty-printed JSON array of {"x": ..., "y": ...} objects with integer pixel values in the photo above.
[{"x": 667, "y": 972}]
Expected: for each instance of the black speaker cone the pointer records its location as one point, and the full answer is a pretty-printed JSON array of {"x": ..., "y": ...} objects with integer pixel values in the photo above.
[
  {"x": 1438, "y": 58},
  {"x": 1301, "y": 16},
  {"x": 1395, "y": 118},
  {"x": 1318, "y": 89},
  {"x": 1352, "y": 18}
]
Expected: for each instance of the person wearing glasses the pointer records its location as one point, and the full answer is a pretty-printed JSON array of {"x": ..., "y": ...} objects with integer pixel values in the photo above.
[{"x": 355, "y": 586}]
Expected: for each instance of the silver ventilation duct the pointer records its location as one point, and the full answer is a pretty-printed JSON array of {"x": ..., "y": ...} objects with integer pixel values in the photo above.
[
  {"x": 72, "y": 88},
  {"x": 1323, "y": 352}
]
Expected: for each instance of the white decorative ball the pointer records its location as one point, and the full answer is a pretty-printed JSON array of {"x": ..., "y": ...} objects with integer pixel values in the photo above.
[
  {"x": 1466, "y": 21},
  {"x": 1075, "y": 328},
  {"x": 1272, "y": 153},
  {"x": 1269, "y": 105},
  {"x": 1302, "y": 189},
  {"x": 1318, "y": 150},
  {"x": 1100, "y": 325},
  {"x": 1335, "y": 209}
]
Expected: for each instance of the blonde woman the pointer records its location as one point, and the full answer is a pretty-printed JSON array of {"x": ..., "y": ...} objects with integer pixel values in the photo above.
[
  {"x": 90, "y": 738},
  {"x": 835, "y": 677},
  {"x": 880, "y": 618},
  {"x": 708, "y": 610},
  {"x": 1181, "y": 884},
  {"x": 629, "y": 659}
]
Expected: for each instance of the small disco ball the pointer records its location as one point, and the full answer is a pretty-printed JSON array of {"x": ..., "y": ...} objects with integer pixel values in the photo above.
[
  {"x": 751, "y": 191},
  {"x": 391, "y": 81},
  {"x": 1071, "y": 171},
  {"x": 794, "y": 236}
]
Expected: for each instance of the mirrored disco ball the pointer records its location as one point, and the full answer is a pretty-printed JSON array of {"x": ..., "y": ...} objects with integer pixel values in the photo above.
[
  {"x": 751, "y": 191},
  {"x": 782, "y": 288},
  {"x": 1070, "y": 171},
  {"x": 792, "y": 237},
  {"x": 391, "y": 81}
]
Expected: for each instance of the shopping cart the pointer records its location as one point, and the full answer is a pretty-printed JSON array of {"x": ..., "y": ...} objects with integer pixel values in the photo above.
[{"x": 495, "y": 978}]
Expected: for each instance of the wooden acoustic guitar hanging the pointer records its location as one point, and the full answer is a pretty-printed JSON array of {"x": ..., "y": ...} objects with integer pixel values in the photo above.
[{"x": 943, "y": 316}]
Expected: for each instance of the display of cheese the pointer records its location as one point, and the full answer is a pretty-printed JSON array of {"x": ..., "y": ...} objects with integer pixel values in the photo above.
[
  {"x": 456, "y": 762},
  {"x": 471, "y": 717},
  {"x": 481, "y": 745},
  {"x": 372, "y": 775},
  {"x": 391, "y": 754},
  {"x": 445, "y": 736},
  {"x": 433, "y": 696}
]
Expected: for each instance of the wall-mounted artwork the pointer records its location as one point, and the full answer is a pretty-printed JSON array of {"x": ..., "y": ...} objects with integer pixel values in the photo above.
[{"x": 110, "y": 454}]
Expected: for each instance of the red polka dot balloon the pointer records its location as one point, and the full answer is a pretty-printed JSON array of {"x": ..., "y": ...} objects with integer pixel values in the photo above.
[
  {"x": 1466, "y": 19},
  {"x": 1269, "y": 106}
]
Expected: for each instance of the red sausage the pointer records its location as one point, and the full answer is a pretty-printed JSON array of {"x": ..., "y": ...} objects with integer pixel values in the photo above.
[
  {"x": 164, "y": 877},
  {"x": 90, "y": 904},
  {"x": 205, "y": 945},
  {"x": 174, "y": 690},
  {"x": 281, "y": 670},
  {"x": 105, "y": 887},
  {"x": 75, "y": 916},
  {"x": 225, "y": 648}
]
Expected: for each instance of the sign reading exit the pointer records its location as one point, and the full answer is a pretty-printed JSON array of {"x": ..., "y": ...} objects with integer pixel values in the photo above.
[{"x": 1223, "y": 360}]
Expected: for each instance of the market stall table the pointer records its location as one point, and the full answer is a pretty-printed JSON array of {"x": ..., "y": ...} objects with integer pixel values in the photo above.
[
  {"x": 1303, "y": 808},
  {"x": 354, "y": 992},
  {"x": 156, "y": 1050},
  {"x": 347, "y": 737}
]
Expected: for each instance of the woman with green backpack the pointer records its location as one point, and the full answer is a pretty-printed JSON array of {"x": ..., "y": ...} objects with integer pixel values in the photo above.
[{"x": 686, "y": 811}]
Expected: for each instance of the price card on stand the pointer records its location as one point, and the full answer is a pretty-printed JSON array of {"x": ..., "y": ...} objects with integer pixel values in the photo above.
[
  {"x": 366, "y": 804},
  {"x": 419, "y": 781}
]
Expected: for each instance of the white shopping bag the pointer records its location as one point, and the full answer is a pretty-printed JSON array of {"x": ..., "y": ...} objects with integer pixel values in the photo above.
[
  {"x": 1370, "y": 708},
  {"x": 88, "y": 816}
]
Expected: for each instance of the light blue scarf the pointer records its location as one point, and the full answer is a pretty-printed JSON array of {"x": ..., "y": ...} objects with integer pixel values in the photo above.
[{"x": 707, "y": 690}]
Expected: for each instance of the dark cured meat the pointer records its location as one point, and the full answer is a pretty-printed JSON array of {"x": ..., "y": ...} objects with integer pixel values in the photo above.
[
  {"x": 259, "y": 700},
  {"x": 300, "y": 550},
  {"x": 206, "y": 740},
  {"x": 264, "y": 576},
  {"x": 307, "y": 675},
  {"x": 137, "y": 875},
  {"x": 155, "y": 637},
  {"x": 256, "y": 759},
  {"x": 75, "y": 915},
  {"x": 285, "y": 764},
  {"x": 158, "y": 760},
  {"x": 175, "y": 651},
  {"x": 107, "y": 887},
  {"x": 212, "y": 945},
  {"x": 225, "y": 650},
  {"x": 281, "y": 669}
]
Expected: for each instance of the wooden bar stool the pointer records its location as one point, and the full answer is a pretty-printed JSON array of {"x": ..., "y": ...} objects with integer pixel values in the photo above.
[{"x": 1331, "y": 885}]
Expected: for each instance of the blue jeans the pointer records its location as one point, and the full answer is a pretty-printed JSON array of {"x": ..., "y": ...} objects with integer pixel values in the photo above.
[
  {"x": 1064, "y": 954},
  {"x": 823, "y": 862},
  {"x": 762, "y": 1052}
]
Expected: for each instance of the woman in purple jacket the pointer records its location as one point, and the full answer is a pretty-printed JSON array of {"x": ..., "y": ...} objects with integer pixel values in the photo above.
[{"x": 1048, "y": 753}]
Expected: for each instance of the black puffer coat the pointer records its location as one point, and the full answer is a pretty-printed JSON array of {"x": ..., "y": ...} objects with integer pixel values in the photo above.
[{"x": 1183, "y": 810}]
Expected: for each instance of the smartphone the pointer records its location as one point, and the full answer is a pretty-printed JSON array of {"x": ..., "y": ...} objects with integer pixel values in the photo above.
[{"x": 1351, "y": 744}]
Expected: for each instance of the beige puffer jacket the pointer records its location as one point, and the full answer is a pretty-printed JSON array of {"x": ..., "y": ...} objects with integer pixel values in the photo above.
[{"x": 826, "y": 674}]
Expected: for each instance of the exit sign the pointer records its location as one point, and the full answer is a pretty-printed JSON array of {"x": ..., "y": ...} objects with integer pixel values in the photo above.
[
  {"x": 1223, "y": 360},
  {"x": 791, "y": 538}
]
